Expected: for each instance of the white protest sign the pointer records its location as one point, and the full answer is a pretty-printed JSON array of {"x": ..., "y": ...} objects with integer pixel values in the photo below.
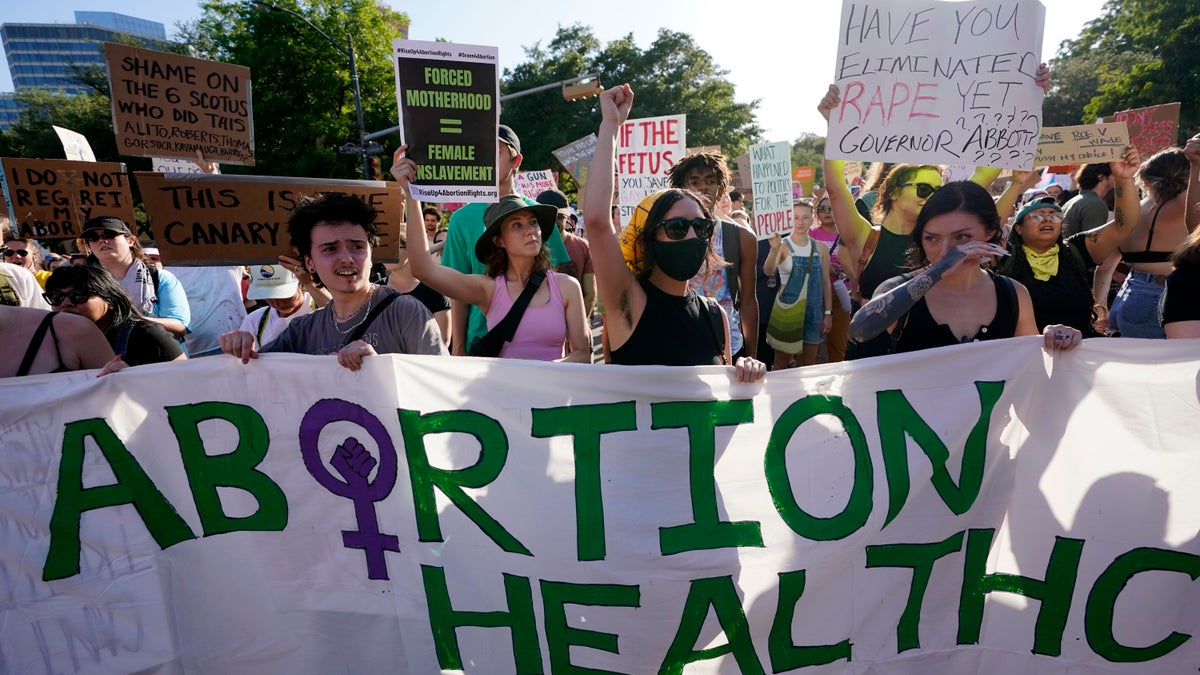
[
  {"x": 771, "y": 176},
  {"x": 646, "y": 148},
  {"x": 1083, "y": 144},
  {"x": 178, "y": 165},
  {"x": 938, "y": 82},
  {"x": 75, "y": 145},
  {"x": 533, "y": 183}
]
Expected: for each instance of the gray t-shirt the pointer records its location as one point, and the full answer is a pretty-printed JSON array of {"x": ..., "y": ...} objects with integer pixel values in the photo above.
[
  {"x": 404, "y": 327},
  {"x": 1085, "y": 211}
]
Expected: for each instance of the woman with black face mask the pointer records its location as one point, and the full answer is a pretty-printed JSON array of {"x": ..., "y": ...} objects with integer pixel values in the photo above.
[{"x": 652, "y": 317}]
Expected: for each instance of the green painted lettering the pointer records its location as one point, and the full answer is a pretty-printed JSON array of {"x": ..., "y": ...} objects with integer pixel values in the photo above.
[
  {"x": 785, "y": 655},
  {"x": 1098, "y": 617},
  {"x": 721, "y": 595},
  {"x": 920, "y": 558},
  {"x": 560, "y": 637}
]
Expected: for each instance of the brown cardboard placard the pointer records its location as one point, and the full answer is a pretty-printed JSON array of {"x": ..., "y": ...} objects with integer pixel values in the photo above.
[
  {"x": 52, "y": 198},
  {"x": 1150, "y": 129},
  {"x": 170, "y": 105},
  {"x": 1083, "y": 144},
  {"x": 200, "y": 219}
]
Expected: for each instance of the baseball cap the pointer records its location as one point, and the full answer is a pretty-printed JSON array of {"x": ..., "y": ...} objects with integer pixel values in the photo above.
[
  {"x": 553, "y": 198},
  {"x": 509, "y": 137},
  {"x": 1042, "y": 203},
  {"x": 271, "y": 282},
  {"x": 106, "y": 223}
]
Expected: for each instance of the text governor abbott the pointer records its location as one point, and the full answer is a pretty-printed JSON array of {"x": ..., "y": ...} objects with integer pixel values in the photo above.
[{"x": 448, "y": 111}]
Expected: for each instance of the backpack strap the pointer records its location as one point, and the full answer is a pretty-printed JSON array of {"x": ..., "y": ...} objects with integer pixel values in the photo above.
[
  {"x": 35, "y": 344},
  {"x": 153, "y": 270},
  {"x": 122, "y": 346},
  {"x": 716, "y": 325},
  {"x": 374, "y": 313},
  {"x": 731, "y": 241},
  {"x": 262, "y": 325}
]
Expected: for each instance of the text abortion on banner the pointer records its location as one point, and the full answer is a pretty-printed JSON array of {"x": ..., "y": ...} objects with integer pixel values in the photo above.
[
  {"x": 771, "y": 175},
  {"x": 53, "y": 198},
  {"x": 434, "y": 528},
  {"x": 170, "y": 105},
  {"x": 533, "y": 183},
  {"x": 1150, "y": 129},
  {"x": 1084, "y": 144},
  {"x": 646, "y": 148},
  {"x": 242, "y": 220},
  {"x": 448, "y": 95},
  {"x": 938, "y": 82}
]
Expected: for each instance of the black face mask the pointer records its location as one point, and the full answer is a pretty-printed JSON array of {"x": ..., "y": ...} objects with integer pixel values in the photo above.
[{"x": 680, "y": 260}]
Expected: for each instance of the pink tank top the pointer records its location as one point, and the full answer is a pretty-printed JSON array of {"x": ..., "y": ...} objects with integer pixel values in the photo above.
[{"x": 542, "y": 333}]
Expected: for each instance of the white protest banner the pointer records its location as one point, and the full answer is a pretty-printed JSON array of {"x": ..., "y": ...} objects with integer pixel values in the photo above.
[
  {"x": 1082, "y": 144},
  {"x": 75, "y": 145},
  {"x": 177, "y": 165},
  {"x": 533, "y": 183},
  {"x": 771, "y": 175},
  {"x": 938, "y": 82},
  {"x": 646, "y": 148},
  {"x": 449, "y": 100},
  {"x": 982, "y": 508}
]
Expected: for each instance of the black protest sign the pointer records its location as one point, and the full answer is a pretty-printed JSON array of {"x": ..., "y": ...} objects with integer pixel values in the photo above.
[
  {"x": 170, "y": 105},
  {"x": 200, "y": 219},
  {"x": 448, "y": 99},
  {"x": 52, "y": 198}
]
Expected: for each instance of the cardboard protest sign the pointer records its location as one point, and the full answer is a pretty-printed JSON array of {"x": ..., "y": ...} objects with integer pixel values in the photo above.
[
  {"x": 971, "y": 509},
  {"x": 1150, "y": 129},
  {"x": 646, "y": 148},
  {"x": 448, "y": 95},
  {"x": 201, "y": 219},
  {"x": 75, "y": 145},
  {"x": 1082, "y": 144},
  {"x": 533, "y": 183},
  {"x": 803, "y": 178},
  {"x": 170, "y": 105},
  {"x": 176, "y": 165},
  {"x": 770, "y": 170},
  {"x": 938, "y": 82},
  {"x": 53, "y": 198},
  {"x": 576, "y": 157}
]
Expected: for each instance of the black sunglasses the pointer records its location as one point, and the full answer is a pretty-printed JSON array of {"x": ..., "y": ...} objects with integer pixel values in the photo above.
[
  {"x": 9, "y": 252},
  {"x": 97, "y": 236},
  {"x": 677, "y": 228},
  {"x": 55, "y": 298},
  {"x": 924, "y": 190}
]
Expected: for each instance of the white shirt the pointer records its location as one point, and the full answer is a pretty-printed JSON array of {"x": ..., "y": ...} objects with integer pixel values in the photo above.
[
  {"x": 215, "y": 297},
  {"x": 25, "y": 284},
  {"x": 275, "y": 323}
]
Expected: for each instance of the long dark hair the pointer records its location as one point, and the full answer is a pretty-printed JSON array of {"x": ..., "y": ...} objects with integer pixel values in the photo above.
[
  {"x": 97, "y": 281},
  {"x": 900, "y": 174},
  {"x": 962, "y": 196},
  {"x": 657, "y": 215}
]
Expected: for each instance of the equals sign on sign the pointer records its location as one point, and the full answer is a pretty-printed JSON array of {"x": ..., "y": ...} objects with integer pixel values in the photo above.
[{"x": 450, "y": 126}]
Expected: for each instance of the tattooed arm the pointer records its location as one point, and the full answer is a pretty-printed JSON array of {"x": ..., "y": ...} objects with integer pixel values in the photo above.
[{"x": 896, "y": 296}]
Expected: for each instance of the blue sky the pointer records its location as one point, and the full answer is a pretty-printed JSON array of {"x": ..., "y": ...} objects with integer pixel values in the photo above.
[{"x": 780, "y": 52}]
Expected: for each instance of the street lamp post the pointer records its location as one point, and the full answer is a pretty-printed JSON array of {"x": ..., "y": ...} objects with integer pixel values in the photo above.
[{"x": 362, "y": 149}]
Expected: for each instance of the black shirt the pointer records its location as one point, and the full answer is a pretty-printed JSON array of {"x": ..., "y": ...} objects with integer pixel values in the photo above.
[{"x": 673, "y": 331}]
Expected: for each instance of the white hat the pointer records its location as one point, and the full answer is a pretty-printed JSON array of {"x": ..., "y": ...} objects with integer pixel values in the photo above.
[{"x": 271, "y": 282}]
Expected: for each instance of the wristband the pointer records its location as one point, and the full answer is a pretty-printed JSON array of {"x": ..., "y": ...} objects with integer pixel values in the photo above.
[{"x": 829, "y": 312}]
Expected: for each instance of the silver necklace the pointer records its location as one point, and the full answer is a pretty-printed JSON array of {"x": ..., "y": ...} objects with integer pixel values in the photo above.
[{"x": 364, "y": 310}]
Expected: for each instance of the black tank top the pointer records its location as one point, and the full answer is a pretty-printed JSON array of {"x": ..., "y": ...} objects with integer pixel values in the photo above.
[
  {"x": 35, "y": 344},
  {"x": 1148, "y": 256},
  {"x": 888, "y": 260},
  {"x": 1064, "y": 298},
  {"x": 918, "y": 330},
  {"x": 673, "y": 331}
]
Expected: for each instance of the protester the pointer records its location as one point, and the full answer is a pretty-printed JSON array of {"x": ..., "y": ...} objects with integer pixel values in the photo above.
[
  {"x": 19, "y": 288},
  {"x": 400, "y": 277},
  {"x": 1164, "y": 225},
  {"x": 215, "y": 305},
  {"x": 1180, "y": 314},
  {"x": 802, "y": 314},
  {"x": 467, "y": 225},
  {"x": 653, "y": 317},
  {"x": 285, "y": 301},
  {"x": 157, "y": 293},
  {"x": 825, "y": 231},
  {"x": 1057, "y": 271},
  {"x": 1089, "y": 209},
  {"x": 706, "y": 174},
  {"x": 547, "y": 307},
  {"x": 435, "y": 234},
  {"x": 93, "y": 293},
  {"x": 25, "y": 252},
  {"x": 334, "y": 234},
  {"x": 952, "y": 299},
  {"x": 35, "y": 342},
  {"x": 580, "y": 264}
]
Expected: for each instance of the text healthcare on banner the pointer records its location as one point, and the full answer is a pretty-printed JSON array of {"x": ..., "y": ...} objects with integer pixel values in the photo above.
[
  {"x": 431, "y": 514},
  {"x": 170, "y": 105},
  {"x": 771, "y": 173},
  {"x": 938, "y": 82},
  {"x": 646, "y": 148},
  {"x": 53, "y": 198},
  {"x": 449, "y": 100}
]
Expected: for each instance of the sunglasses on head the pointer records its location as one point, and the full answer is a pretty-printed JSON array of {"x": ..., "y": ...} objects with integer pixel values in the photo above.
[
  {"x": 104, "y": 234},
  {"x": 55, "y": 298},
  {"x": 677, "y": 228},
  {"x": 10, "y": 252},
  {"x": 924, "y": 190}
]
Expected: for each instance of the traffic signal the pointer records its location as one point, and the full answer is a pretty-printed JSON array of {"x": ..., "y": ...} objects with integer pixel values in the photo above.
[
  {"x": 572, "y": 92},
  {"x": 376, "y": 169}
]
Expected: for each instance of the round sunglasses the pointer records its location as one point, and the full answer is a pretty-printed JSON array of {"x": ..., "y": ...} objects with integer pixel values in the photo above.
[
  {"x": 924, "y": 190},
  {"x": 55, "y": 298},
  {"x": 677, "y": 228}
]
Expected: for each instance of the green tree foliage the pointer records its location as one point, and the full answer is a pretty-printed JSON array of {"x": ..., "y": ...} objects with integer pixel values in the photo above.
[
  {"x": 1137, "y": 53},
  {"x": 672, "y": 76},
  {"x": 303, "y": 99},
  {"x": 809, "y": 150}
]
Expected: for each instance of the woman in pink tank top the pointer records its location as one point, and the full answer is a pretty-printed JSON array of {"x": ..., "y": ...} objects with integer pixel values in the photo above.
[{"x": 513, "y": 247}]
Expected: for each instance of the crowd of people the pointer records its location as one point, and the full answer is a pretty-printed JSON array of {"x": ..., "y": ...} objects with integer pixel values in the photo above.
[{"x": 900, "y": 262}]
